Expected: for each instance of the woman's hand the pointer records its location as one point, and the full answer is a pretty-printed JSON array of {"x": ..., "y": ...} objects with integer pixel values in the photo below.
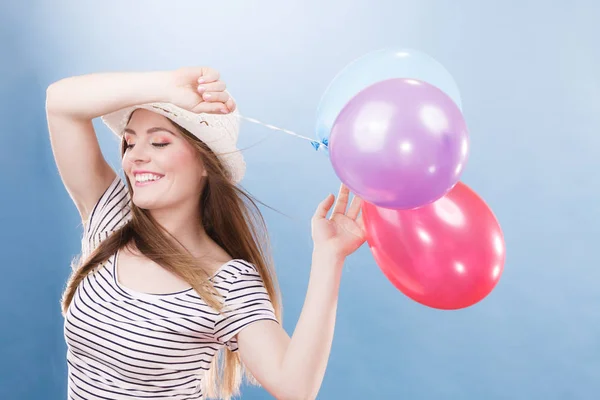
[
  {"x": 343, "y": 232},
  {"x": 200, "y": 90}
]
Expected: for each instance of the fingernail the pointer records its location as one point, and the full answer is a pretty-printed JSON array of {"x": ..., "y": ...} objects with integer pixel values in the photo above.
[
  {"x": 207, "y": 96},
  {"x": 201, "y": 89},
  {"x": 200, "y": 80},
  {"x": 224, "y": 110}
]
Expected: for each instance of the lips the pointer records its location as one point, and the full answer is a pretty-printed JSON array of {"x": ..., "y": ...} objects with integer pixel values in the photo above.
[{"x": 144, "y": 178}]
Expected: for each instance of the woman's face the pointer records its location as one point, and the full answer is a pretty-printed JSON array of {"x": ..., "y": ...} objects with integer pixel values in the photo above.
[{"x": 163, "y": 167}]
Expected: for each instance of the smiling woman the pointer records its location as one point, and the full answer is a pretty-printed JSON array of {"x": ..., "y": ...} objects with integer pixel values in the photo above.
[
  {"x": 164, "y": 165},
  {"x": 174, "y": 295}
]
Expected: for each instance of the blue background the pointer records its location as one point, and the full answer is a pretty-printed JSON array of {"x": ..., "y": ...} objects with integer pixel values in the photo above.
[{"x": 528, "y": 73}]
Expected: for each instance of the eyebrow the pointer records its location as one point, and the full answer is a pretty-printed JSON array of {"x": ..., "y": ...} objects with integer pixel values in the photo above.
[{"x": 149, "y": 131}]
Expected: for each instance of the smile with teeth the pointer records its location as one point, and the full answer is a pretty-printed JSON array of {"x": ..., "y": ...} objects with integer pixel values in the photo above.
[{"x": 147, "y": 178}]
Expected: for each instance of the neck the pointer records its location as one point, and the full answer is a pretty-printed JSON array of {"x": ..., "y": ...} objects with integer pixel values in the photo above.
[{"x": 185, "y": 225}]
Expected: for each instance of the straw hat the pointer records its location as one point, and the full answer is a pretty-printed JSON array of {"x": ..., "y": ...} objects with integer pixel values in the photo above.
[{"x": 218, "y": 131}]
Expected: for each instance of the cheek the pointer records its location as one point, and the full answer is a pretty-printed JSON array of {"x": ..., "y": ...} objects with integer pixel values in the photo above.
[
  {"x": 183, "y": 162},
  {"x": 177, "y": 160},
  {"x": 124, "y": 162}
]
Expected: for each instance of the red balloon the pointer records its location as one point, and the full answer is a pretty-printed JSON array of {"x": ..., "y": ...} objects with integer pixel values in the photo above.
[{"x": 446, "y": 255}]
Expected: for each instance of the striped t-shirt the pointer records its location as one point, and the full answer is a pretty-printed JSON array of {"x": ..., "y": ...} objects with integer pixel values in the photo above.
[{"x": 123, "y": 344}]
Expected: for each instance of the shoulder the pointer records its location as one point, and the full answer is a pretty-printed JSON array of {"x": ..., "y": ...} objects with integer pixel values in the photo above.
[
  {"x": 115, "y": 199},
  {"x": 238, "y": 276},
  {"x": 233, "y": 270},
  {"x": 246, "y": 300},
  {"x": 111, "y": 212}
]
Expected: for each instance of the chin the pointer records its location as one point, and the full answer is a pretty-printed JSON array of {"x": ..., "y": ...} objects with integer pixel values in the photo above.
[{"x": 146, "y": 203}]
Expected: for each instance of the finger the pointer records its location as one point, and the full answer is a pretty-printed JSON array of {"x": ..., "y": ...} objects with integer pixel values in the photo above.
[
  {"x": 231, "y": 104},
  {"x": 209, "y": 107},
  {"x": 324, "y": 207},
  {"x": 218, "y": 86},
  {"x": 361, "y": 222},
  {"x": 354, "y": 207},
  {"x": 220, "y": 97},
  {"x": 208, "y": 75},
  {"x": 342, "y": 200}
]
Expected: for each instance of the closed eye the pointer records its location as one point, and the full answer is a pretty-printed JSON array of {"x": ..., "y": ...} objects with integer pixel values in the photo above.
[{"x": 130, "y": 146}]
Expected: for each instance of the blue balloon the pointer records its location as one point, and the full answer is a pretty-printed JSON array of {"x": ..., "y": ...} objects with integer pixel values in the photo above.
[{"x": 374, "y": 67}]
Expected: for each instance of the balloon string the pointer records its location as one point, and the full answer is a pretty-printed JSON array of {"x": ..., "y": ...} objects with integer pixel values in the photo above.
[{"x": 317, "y": 145}]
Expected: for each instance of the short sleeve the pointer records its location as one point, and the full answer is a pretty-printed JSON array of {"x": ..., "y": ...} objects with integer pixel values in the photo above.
[
  {"x": 110, "y": 213},
  {"x": 246, "y": 301}
]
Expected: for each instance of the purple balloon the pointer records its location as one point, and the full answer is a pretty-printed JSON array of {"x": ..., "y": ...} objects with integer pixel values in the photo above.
[{"x": 399, "y": 144}]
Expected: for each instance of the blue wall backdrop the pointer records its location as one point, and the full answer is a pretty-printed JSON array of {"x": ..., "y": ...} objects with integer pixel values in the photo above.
[{"x": 528, "y": 72}]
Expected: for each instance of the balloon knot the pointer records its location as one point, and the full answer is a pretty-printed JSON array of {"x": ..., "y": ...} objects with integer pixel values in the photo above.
[{"x": 322, "y": 145}]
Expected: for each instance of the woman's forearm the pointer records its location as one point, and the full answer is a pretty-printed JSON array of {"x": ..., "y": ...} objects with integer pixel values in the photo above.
[
  {"x": 86, "y": 97},
  {"x": 306, "y": 357}
]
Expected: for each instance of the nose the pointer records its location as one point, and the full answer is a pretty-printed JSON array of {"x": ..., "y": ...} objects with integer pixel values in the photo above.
[{"x": 138, "y": 154}]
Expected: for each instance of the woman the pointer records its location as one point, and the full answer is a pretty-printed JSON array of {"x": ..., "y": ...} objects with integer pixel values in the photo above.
[{"x": 174, "y": 290}]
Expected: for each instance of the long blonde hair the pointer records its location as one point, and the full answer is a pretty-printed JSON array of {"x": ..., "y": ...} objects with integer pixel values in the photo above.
[{"x": 232, "y": 219}]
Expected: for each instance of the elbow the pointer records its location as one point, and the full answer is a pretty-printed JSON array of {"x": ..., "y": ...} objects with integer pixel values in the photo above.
[
  {"x": 293, "y": 396},
  {"x": 295, "y": 391},
  {"x": 56, "y": 96},
  {"x": 52, "y": 93}
]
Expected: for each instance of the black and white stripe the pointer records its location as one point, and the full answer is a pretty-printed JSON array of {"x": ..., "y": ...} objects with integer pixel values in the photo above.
[
  {"x": 111, "y": 212},
  {"x": 128, "y": 345}
]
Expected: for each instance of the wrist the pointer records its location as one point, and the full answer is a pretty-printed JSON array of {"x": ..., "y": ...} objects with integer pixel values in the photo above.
[
  {"x": 162, "y": 83},
  {"x": 327, "y": 253},
  {"x": 326, "y": 271},
  {"x": 327, "y": 259}
]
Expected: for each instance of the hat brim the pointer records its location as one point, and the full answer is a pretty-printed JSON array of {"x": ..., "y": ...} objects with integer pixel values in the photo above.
[{"x": 218, "y": 132}]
